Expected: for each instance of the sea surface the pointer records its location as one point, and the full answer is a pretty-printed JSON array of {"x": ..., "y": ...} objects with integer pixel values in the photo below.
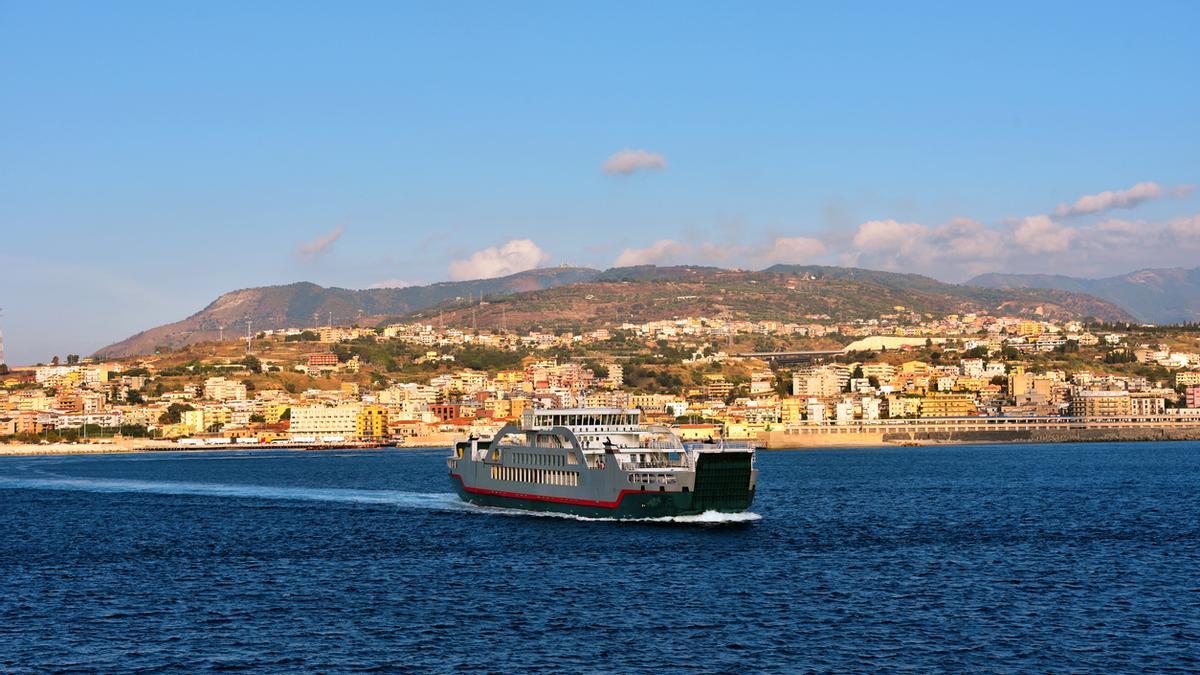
[{"x": 998, "y": 558}]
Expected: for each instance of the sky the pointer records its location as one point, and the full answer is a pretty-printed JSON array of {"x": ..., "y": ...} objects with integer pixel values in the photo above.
[{"x": 155, "y": 155}]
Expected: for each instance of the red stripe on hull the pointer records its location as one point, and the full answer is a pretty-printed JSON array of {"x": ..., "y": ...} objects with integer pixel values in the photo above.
[{"x": 545, "y": 498}]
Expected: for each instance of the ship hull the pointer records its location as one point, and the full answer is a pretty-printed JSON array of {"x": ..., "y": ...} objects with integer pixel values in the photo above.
[{"x": 628, "y": 504}]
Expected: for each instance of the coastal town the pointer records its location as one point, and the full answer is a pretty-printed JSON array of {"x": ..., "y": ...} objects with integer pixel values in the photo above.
[{"x": 777, "y": 383}]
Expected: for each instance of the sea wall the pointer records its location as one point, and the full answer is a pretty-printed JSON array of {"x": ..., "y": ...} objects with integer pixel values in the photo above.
[{"x": 834, "y": 437}]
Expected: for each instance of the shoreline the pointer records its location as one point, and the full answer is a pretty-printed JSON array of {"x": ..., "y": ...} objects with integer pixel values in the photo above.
[
  {"x": 122, "y": 448},
  {"x": 68, "y": 449}
]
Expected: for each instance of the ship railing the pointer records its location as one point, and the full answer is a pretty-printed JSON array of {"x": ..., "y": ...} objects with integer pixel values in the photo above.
[{"x": 681, "y": 463}]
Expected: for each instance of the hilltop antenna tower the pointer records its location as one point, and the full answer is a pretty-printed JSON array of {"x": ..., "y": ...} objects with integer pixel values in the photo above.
[{"x": 247, "y": 335}]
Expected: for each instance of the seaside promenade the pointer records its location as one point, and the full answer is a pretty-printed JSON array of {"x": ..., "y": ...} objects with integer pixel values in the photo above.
[{"x": 858, "y": 433}]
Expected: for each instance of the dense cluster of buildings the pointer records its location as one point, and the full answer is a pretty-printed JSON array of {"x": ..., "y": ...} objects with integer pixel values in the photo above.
[{"x": 975, "y": 374}]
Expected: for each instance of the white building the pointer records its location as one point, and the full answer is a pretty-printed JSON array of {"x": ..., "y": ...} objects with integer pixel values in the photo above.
[{"x": 325, "y": 421}]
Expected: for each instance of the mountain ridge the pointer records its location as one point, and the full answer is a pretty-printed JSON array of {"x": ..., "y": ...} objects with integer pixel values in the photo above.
[
  {"x": 1153, "y": 295},
  {"x": 566, "y": 296},
  {"x": 305, "y": 304}
]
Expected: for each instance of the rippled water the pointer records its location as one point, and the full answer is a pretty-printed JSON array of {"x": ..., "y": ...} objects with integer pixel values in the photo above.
[{"x": 1074, "y": 557}]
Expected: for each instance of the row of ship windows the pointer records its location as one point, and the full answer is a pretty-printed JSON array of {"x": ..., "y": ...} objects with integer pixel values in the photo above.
[
  {"x": 543, "y": 476},
  {"x": 543, "y": 460},
  {"x": 665, "y": 479}
]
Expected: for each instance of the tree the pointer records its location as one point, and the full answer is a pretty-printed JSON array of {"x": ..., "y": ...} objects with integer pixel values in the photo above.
[
  {"x": 258, "y": 419},
  {"x": 54, "y": 361},
  {"x": 287, "y": 415},
  {"x": 72, "y": 359},
  {"x": 174, "y": 413},
  {"x": 134, "y": 398},
  {"x": 251, "y": 362},
  {"x": 980, "y": 352}
]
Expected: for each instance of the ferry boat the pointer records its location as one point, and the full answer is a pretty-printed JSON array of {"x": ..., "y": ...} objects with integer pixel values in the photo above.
[{"x": 601, "y": 463}]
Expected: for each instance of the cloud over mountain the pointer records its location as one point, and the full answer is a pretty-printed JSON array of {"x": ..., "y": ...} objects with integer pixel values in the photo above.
[{"x": 516, "y": 255}]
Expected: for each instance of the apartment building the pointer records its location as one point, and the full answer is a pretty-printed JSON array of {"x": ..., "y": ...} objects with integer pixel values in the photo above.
[
  {"x": 325, "y": 421},
  {"x": 1090, "y": 403}
]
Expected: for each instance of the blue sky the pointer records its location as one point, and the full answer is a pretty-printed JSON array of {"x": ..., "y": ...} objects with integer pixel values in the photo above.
[{"x": 154, "y": 155}]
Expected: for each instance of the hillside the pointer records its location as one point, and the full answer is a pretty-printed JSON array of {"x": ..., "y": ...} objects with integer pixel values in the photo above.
[
  {"x": 1170, "y": 295},
  {"x": 572, "y": 297},
  {"x": 307, "y": 304},
  {"x": 782, "y": 292}
]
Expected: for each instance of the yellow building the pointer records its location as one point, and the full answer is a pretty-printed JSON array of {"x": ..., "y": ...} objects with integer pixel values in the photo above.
[
  {"x": 914, "y": 367},
  {"x": 970, "y": 383},
  {"x": 697, "y": 432},
  {"x": 1027, "y": 328},
  {"x": 193, "y": 421},
  {"x": 1187, "y": 378},
  {"x": 274, "y": 412},
  {"x": 716, "y": 386},
  {"x": 903, "y": 406},
  {"x": 199, "y": 421},
  {"x": 791, "y": 410},
  {"x": 947, "y": 405},
  {"x": 372, "y": 423}
]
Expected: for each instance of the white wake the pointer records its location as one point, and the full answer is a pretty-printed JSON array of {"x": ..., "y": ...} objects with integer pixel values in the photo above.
[
  {"x": 415, "y": 500},
  {"x": 427, "y": 501}
]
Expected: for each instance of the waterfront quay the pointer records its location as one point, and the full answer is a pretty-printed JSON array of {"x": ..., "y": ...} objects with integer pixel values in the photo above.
[{"x": 1183, "y": 426}]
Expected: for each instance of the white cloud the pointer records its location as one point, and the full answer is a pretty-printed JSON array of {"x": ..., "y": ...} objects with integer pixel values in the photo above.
[
  {"x": 627, "y": 161},
  {"x": 1120, "y": 199},
  {"x": 391, "y": 283},
  {"x": 888, "y": 235},
  {"x": 1185, "y": 227},
  {"x": 320, "y": 245},
  {"x": 513, "y": 256},
  {"x": 1040, "y": 234},
  {"x": 661, "y": 251},
  {"x": 965, "y": 241},
  {"x": 793, "y": 250},
  {"x": 958, "y": 248}
]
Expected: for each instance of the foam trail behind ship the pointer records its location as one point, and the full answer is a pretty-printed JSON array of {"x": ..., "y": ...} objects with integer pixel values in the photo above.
[
  {"x": 437, "y": 501},
  {"x": 424, "y": 501}
]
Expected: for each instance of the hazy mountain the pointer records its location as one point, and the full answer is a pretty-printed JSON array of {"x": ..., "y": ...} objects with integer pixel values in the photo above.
[
  {"x": 306, "y": 304},
  {"x": 569, "y": 297},
  {"x": 1169, "y": 295}
]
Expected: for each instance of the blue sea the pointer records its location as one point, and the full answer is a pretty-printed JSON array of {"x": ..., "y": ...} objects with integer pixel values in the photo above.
[{"x": 998, "y": 558}]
